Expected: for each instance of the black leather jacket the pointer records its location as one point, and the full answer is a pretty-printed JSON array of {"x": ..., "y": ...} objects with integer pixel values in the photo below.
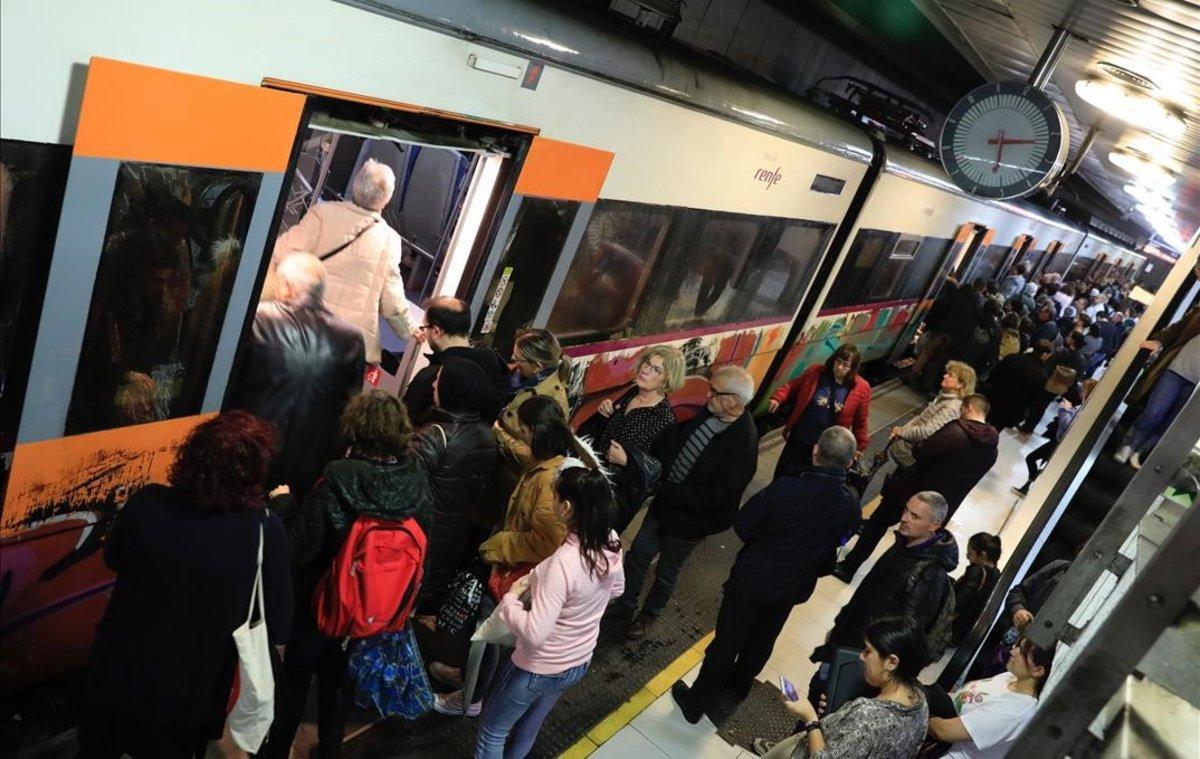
[
  {"x": 301, "y": 365},
  {"x": 458, "y": 451}
]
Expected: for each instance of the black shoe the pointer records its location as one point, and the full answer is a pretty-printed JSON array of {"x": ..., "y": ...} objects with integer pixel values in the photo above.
[
  {"x": 640, "y": 626},
  {"x": 679, "y": 692},
  {"x": 844, "y": 573}
]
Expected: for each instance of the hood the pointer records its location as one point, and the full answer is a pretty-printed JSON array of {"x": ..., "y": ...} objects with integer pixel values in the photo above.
[
  {"x": 387, "y": 491},
  {"x": 980, "y": 433},
  {"x": 942, "y": 548}
]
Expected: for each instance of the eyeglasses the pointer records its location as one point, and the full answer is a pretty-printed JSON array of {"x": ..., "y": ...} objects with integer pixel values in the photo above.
[
  {"x": 714, "y": 393},
  {"x": 660, "y": 370}
]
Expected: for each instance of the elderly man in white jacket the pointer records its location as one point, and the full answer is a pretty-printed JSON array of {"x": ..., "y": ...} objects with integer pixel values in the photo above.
[{"x": 361, "y": 255}]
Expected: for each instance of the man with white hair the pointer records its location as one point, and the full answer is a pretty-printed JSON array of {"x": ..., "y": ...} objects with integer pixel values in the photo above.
[
  {"x": 361, "y": 255},
  {"x": 699, "y": 495},
  {"x": 300, "y": 367}
]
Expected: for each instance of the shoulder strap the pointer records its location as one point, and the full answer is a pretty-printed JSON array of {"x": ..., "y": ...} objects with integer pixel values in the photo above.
[
  {"x": 442, "y": 432},
  {"x": 349, "y": 242}
]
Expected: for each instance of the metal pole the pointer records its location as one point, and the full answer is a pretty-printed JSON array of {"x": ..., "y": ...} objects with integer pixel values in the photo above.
[
  {"x": 1050, "y": 57},
  {"x": 1101, "y": 551},
  {"x": 1081, "y": 152},
  {"x": 1152, "y": 603}
]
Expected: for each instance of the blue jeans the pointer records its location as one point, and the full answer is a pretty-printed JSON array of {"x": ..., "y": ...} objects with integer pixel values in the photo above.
[
  {"x": 516, "y": 707},
  {"x": 1166, "y": 400}
]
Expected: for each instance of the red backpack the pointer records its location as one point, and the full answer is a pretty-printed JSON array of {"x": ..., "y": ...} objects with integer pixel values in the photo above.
[{"x": 372, "y": 584}]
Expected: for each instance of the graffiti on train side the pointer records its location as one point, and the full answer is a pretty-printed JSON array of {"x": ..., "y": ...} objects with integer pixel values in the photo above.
[
  {"x": 604, "y": 375},
  {"x": 61, "y": 499}
]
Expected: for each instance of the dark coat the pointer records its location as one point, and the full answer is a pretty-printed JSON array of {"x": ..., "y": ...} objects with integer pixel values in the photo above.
[
  {"x": 418, "y": 397},
  {"x": 707, "y": 500},
  {"x": 884, "y": 591},
  {"x": 1173, "y": 338},
  {"x": 951, "y": 461},
  {"x": 458, "y": 452},
  {"x": 1015, "y": 383},
  {"x": 791, "y": 530},
  {"x": 971, "y": 593},
  {"x": 954, "y": 311},
  {"x": 301, "y": 366},
  {"x": 164, "y": 650},
  {"x": 980, "y": 346},
  {"x": 1032, "y": 592},
  {"x": 349, "y": 488}
]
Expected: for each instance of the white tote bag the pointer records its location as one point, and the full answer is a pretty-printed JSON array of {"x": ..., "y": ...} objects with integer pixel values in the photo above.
[{"x": 255, "y": 708}]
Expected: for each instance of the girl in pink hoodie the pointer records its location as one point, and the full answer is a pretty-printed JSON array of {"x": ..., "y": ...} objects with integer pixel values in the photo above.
[{"x": 557, "y": 627}]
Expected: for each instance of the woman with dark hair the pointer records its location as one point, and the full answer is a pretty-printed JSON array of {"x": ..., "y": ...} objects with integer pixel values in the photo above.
[
  {"x": 378, "y": 477},
  {"x": 554, "y": 613},
  {"x": 972, "y": 590},
  {"x": 993, "y": 712},
  {"x": 825, "y": 395},
  {"x": 186, "y": 560},
  {"x": 892, "y": 724}
]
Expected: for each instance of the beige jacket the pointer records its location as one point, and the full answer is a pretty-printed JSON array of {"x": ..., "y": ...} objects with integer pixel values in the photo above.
[
  {"x": 508, "y": 422},
  {"x": 363, "y": 280},
  {"x": 532, "y": 530}
]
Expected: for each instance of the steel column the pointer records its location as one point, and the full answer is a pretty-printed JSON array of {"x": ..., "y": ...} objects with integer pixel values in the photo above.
[{"x": 1050, "y": 57}]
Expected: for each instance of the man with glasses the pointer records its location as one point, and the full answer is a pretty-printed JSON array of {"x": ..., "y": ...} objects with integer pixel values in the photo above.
[
  {"x": 699, "y": 495},
  {"x": 447, "y": 330}
]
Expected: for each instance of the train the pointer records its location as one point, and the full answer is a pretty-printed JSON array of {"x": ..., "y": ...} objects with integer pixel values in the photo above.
[{"x": 620, "y": 198}]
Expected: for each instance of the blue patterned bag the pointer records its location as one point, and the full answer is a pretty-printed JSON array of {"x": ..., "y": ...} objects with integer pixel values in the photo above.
[{"x": 389, "y": 675}]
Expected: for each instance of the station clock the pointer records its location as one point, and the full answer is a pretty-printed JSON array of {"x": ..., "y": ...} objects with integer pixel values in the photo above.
[{"x": 1004, "y": 140}]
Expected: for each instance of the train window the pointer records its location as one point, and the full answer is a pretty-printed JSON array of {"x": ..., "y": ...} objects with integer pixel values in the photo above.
[
  {"x": 33, "y": 178},
  {"x": 1079, "y": 268},
  {"x": 990, "y": 263},
  {"x": 169, "y": 257},
  {"x": 775, "y": 281},
  {"x": 850, "y": 287},
  {"x": 711, "y": 266},
  {"x": 1058, "y": 262},
  {"x": 890, "y": 279},
  {"x": 608, "y": 273},
  {"x": 929, "y": 256},
  {"x": 523, "y": 273}
]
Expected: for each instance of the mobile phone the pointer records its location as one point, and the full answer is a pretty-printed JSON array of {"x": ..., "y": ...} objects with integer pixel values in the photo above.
[{"x": 789, "y": 690}]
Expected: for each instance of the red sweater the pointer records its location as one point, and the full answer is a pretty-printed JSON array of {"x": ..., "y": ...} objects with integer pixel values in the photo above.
[{"x": 853, "y": 414}]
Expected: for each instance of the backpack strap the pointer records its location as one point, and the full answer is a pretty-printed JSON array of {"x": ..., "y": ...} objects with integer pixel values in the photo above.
[
  {"x": 349, "y": 242},
  {"x": 442, "y": 432}
]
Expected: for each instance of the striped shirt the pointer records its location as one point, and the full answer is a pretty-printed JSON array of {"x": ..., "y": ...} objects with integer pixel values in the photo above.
[{"x": 694, "y": 446}]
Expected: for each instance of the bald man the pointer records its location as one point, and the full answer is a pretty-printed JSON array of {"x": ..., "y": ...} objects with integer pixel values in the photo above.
[{"x": 299, "y": 368}]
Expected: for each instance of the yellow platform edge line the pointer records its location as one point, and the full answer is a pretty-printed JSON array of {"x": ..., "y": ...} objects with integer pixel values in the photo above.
[{"x": 610, "y": 725}]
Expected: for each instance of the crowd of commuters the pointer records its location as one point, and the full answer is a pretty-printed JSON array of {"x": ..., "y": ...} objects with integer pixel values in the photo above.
[{"x": 481, "y": 455}]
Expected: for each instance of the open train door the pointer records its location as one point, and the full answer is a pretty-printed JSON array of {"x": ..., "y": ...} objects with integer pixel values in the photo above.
[{"x": 169, "y": 201}]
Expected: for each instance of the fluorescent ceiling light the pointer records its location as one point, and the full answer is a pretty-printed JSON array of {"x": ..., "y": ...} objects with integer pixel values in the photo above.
[
  {"x": 1152, "y": 146},
  {"x": 1132, "y": 106},
  {"x": 1141, "y": 166},
  {"x": 1146, "y": 194}
]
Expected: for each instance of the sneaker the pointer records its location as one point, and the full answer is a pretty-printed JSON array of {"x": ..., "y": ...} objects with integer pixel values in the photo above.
[
  {"x": 1122, "y": 454},
  {"x": 761, "y": 746},
  {"x": 1135, "y": 461},
  {"x": 446, "y": 675},
  {"x": 640, "y": 626},
  {"x": 1021, "y": 491},
  {"x": 451, "y": 705}
]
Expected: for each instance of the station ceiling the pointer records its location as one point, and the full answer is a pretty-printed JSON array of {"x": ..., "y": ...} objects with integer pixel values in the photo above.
[{"x": 1003, "y": 40}]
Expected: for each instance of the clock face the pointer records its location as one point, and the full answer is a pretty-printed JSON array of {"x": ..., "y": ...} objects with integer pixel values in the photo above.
[{"x": 1004, "y": 140}]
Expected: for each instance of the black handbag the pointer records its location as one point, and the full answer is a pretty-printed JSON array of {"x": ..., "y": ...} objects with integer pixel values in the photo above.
[{"x": 461, "y": 607}]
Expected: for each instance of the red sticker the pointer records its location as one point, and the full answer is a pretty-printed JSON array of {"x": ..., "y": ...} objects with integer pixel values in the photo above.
[{"x": 372, "y": 375}]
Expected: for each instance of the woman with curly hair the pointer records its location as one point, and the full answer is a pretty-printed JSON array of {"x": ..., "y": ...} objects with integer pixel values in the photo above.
[
  {"x": 376, "y": 477},
  {"x": 185, "y": 557}
]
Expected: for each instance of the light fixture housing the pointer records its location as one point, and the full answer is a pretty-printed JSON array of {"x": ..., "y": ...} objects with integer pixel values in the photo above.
[
  {"x": 1132, "y": 106},
  {"x": 1147, "y": 171}
]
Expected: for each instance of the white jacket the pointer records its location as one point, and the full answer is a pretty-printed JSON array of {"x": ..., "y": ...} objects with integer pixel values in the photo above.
[{"x": 363, "y": 280}]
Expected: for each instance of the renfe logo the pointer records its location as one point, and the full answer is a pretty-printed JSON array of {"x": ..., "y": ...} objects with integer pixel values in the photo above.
[{"x": 768, "y": 178}]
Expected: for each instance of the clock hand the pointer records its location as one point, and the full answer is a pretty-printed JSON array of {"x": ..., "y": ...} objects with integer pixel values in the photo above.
[{"x": 999, "y": 143}]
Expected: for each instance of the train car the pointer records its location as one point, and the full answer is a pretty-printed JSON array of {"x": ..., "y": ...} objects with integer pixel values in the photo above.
[
  {"x": 916, "y": 228},
  {"x": 653, "y": 201}
]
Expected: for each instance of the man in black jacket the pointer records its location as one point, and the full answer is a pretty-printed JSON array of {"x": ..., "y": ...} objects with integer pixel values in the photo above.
[
  {"x": 791, "y": 531},
  {"x": 910, "y": 579},
  {"x": 300, "y": 368},
  {"x": 1016, "y": 382},
  {"x": 949, "y": 462},
  {"x": 447, "y": 329},
  {"x": 699, "y": 495}
]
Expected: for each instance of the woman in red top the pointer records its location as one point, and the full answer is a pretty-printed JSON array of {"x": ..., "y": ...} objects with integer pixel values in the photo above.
[{"x": 824, "y": 395}]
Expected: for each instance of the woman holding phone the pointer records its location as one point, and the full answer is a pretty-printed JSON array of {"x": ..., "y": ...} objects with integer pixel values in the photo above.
[{"x": 892, "y": 724}]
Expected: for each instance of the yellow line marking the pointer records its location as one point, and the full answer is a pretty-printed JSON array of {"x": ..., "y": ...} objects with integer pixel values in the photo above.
[{"x": 610, "y": 725}]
